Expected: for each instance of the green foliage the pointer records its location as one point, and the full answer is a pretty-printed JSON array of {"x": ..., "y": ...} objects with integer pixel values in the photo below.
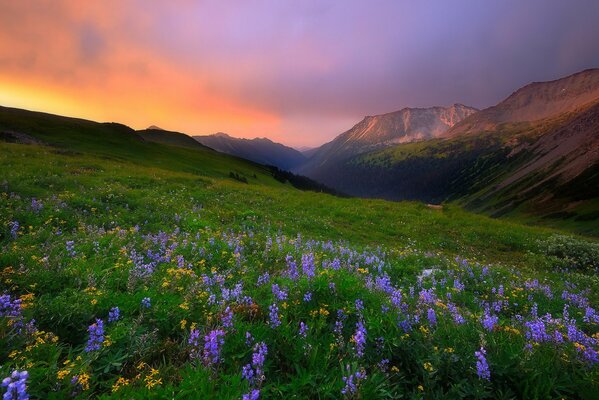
[{"x": 571, "y": 252}]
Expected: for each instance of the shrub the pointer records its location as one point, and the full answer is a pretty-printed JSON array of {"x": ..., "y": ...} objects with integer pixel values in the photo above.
[{"x": 579, "y": 253}]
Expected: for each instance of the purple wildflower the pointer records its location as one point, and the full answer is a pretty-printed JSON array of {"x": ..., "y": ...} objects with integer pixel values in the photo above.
[
  {"x": 146, "y": 302},
  {"x": 213, "y": 343},
  {"x": 96, "y": 336},
  {"x": 16, "y": 386},
  {"x": 352, "y": 382},
  {"x": 308, "y": 297},
  {"x": 488, "y": 320},
  {"x": 70, "y": 246},
  {"x": 14, "y": 229},
  {"x": 360, "y": 339},
  {"x": 227, "y": 318},
  {"x": 280, "y": 294},
  {"x": 253, "y": 395},
  {"x": 482, "y": 367},
  {"x": 308, "y": 265},
  {"x": 303, "y": 330},
  {"x": 114, "y": 314},
  {"x": 274, "y": 321},
  {"x": 432, "y": 317}
]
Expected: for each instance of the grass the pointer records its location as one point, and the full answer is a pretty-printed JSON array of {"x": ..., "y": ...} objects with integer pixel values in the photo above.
[{"x": 104, "y": 225}]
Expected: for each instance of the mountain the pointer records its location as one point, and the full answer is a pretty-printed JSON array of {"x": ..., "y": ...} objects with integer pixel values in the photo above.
[
  {"x": 169, "y": 137},
  {"x": 533, "y": 102},
  {"x": 536, "y": 153},
  {"x": 260, "y": 150},
  {"x": 380, "y": 131}
]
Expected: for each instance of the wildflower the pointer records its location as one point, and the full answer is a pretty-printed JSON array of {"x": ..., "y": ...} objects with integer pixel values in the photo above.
[
  {"x": 360, "y": 339},
  {"x": 14, "y": 229},
  {"x": 114, "y": 314},
  {"x": 10, "y": 308},
  {"x": 482, "y": 367},
  {"x": 489, "y": 321},
  {"x": 308, "y": 265},
  {"x": 70, "y": 246},
  {"x": 213, "y": 342},
  {"x": 253, "y": 395},
  {"x": 263, "y": 279},
  {"x": 16, "y": 386},
  {"x": 280, "y": 294},
  {"x": 432, "y": 317},
  {"x": 428, "y": 366},
  {"x": 352, "y": 381},
  {"x": 303, "y": 330},
  {"x": 359, "y": 306},
  {"x": 227, "y": 318},
  {"x": 96, "y": 336},
  {"x": 146, "y": 302},
  {"x": 274, "y": 320},
  {"x": 36, "y": 205},
  {"x": 308, "y": 297}
]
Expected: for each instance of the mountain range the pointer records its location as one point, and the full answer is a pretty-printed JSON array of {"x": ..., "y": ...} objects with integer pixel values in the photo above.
[
  {"x": 260, "y": 150},
  {"x": 535, "y": 154}
]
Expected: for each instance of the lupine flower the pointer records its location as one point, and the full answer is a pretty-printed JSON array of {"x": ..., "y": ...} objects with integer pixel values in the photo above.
[
  {"x": 96, "y": 336},
  {"x": 263, "y": 279},
  {"x": 253, "y": 395},
  {"x": 14, "y": 229},
  {"x": 114, "y": 314},
  {"x": 254, "y": 372},
  {"x": 227, "y": 318},
  {"x": 249, "y": 339},
  {"x": 146, "y": 302},
  {"x": 16, "y": 386},
  {"x": 359, "y": 306},
  {"x": 194, "y": 341},
  {"x": 213, "y": 342},
  {"x": 8, "y": 307},
  {"x": 308, "y": 265},
  {"x": 280, "y": 294},
  {"x": 303, "y": 330},
  {"x": 489, "y": 321},
  {"x": 36, "y": 205},
  {"x": 482, "y": 367},
  {"x": 274, "y": 320},
  {"x": 352, "y": 382},
  {"x": 308, "y": 297},
  {"x": 360, "y": 339},
  {"x": 70, "y": 246},
  {"x": 432, "y": 317},
  {"x": 536, "y": 331}
]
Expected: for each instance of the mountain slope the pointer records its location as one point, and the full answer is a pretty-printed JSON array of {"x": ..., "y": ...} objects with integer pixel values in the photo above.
[
  {"x": 380, "y": 131},
  {"x": 497, "y": 161},
  {"x": 168, "y": 137},
  {"x": 260, "y": 150},
  {"x": 533, "y": 102}
]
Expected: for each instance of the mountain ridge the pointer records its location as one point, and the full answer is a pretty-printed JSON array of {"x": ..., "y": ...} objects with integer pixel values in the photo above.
[{"x": 260, "y": 150}]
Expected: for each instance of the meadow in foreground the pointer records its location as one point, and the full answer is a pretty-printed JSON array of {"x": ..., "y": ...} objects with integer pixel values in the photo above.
[{"x": 137, "y": 283}]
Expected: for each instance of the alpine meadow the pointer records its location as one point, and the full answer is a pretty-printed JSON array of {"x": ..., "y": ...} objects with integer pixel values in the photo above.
[{"x": 438, "y": 251}]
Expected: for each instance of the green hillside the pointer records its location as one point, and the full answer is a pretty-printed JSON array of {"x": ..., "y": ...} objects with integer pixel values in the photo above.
[{"x": 136, "y": 269}]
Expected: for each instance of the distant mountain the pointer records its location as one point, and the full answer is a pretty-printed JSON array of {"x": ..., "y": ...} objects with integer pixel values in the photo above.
[
  {"x": 380, "y": 131},
  {"x": 535, "y": 153},
  {"x": 260, "y": 150},
  {"x": 533, "y": 102}
]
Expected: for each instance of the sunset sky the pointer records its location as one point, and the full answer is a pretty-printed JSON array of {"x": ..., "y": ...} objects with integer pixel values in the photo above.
[{"x": 299, "y": 72}]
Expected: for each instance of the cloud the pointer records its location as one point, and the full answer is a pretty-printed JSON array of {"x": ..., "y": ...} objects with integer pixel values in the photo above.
[{"x": 300, "y": 72}]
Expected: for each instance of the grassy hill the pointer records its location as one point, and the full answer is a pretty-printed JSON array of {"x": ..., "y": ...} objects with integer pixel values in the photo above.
[{"x": 135, "y": 269}]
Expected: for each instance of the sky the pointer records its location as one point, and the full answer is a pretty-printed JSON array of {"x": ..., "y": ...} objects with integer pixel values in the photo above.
[{"x": 298, "y": 72}]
